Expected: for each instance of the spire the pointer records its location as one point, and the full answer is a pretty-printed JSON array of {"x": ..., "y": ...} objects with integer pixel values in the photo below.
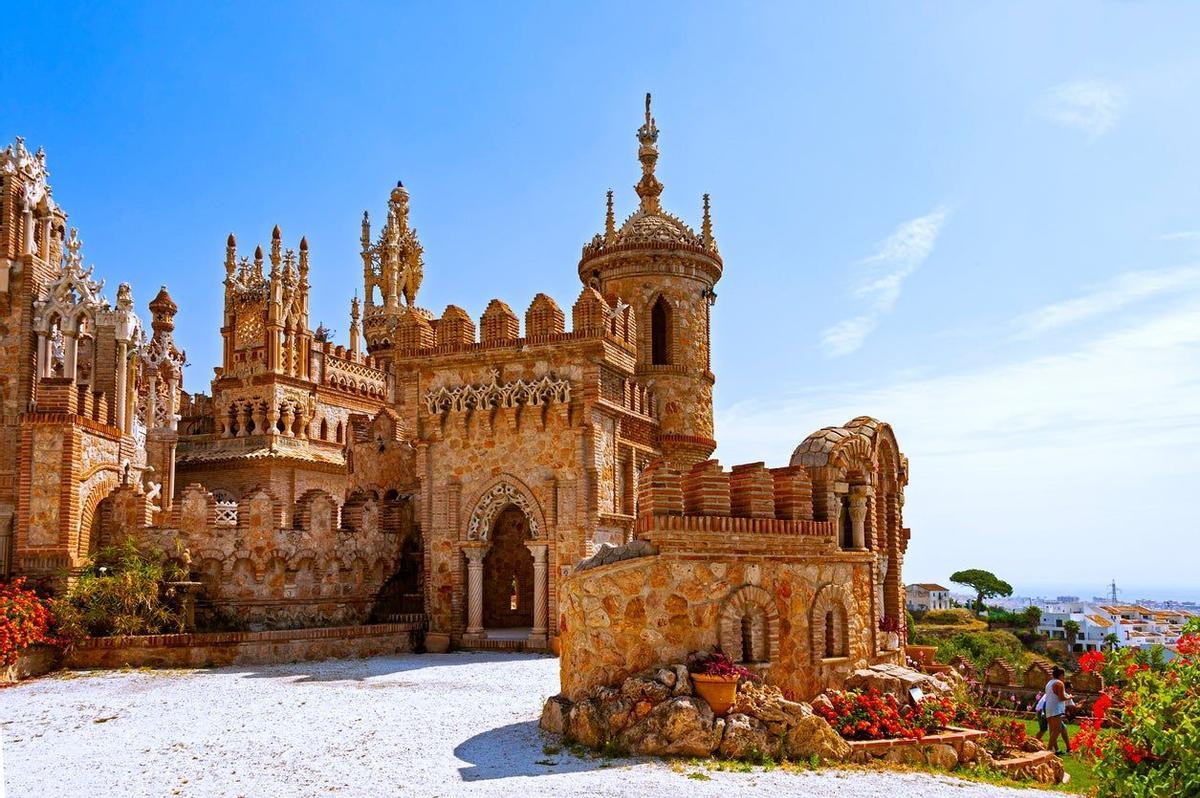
[
  {"x": 399, "y": 204},
  {"x": 706, "y": 235},
  {"x": 276, "y": 249},
  {"x": 354, "y": 316},
  {"x": 304, "y": 259},
  {"x": 258, "y": 261},
  {"x": 230, "y": 255},
  {"x": 610, "y": 222},
  {"x": 648, "y": 188}
]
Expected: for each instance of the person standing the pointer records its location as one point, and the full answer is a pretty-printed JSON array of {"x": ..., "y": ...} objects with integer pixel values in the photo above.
[
  {"x": 1040, "y": 709},
  {"x": 1056, "y": 707}
]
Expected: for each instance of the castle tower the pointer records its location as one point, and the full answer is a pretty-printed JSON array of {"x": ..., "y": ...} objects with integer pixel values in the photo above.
[
  {"x": 392, "y": 270},
  {"x": 160, "y": 390},
  {"x": 667, "y": 271}
]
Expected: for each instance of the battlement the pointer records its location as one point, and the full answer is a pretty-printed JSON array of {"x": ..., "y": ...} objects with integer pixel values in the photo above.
[
  {"x": 63, "y": 395},
  {"x": 417, "y": 333},
  {"x": 749, "y": 498}
]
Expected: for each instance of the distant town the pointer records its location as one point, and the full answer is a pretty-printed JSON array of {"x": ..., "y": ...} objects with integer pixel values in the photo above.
[{"x": 1083, "y": 624}]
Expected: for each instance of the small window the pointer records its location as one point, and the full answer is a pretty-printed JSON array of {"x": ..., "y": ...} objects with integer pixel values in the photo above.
[{"x": 660, "y": 333}]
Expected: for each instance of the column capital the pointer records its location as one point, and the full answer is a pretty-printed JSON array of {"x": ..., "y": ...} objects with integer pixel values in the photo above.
[
  {"x": 475, "y": 550},
  {"x": 538, "y": 549}
]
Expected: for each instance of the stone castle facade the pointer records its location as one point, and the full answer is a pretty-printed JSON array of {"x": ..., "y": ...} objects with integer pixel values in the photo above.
[{"x": 474, "y": 475}]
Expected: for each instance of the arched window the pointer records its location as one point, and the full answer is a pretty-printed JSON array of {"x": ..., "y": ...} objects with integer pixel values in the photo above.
[
  {"x": 339, "y": 432},
  {"x": 324, "y": 430},
  {"x": 830, "y": 645},
  {"x": 660, "y": 333}
]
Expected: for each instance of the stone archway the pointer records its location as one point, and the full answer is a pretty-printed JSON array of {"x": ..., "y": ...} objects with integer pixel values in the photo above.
[
  {"x": 508, "y": 573},
  {"x": 505, "y": 589}
]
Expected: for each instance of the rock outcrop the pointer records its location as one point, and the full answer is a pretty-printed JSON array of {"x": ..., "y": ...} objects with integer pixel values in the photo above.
[{"x": 656, "y": 713}]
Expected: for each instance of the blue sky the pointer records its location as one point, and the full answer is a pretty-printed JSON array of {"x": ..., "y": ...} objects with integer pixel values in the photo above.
[{"x": 978, "y": 221}]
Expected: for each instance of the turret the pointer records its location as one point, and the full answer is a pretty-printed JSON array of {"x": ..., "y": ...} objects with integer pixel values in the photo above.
[{"x": 667, "y": 272}]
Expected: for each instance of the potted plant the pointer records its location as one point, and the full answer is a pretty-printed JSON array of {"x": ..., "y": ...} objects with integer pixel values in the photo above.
[
  {"x": 715, "y": 677},
  {"x": 890, "y": 626}
]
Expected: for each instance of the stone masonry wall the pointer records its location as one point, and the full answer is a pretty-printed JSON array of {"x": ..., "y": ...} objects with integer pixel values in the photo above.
[{"x": 618, "y": 619}]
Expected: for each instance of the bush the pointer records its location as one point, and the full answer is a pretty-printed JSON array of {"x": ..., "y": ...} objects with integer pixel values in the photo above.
[
  {"x": 943, "y": 617},
  {"x": 1145, "y": 728},
  {"x": 120, "y": 592},
  {"x": 984, "y": 648},
  {"x": 24, "y": 620}
]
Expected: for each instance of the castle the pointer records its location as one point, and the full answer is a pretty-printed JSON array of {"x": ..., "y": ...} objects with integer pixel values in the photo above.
[{"x": 469, "y": 475}]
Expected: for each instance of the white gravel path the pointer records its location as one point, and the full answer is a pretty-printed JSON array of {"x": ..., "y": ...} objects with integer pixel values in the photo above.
[{"x": 428, "y": 725}]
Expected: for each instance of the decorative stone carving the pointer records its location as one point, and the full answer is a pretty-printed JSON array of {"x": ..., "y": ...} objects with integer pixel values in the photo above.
[
  {"x": 490, "y": 505},
  {"x": 537, "y": 392}
]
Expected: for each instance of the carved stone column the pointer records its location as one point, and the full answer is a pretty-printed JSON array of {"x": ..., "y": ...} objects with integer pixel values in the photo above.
[
  {"x": 43, "y": 356},
  {"x": 537, "y": 635},
  {"x": 71, "y": 341},
  {"x": 152, "y": 402},
  {"x": 858, "y": 517},
  {"x": 475, "y": 551}
]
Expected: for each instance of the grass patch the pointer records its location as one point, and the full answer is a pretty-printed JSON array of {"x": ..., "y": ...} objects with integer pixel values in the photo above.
[
  {"x": 1080, "y": 769},
  {"x": 699, "y": 775}
]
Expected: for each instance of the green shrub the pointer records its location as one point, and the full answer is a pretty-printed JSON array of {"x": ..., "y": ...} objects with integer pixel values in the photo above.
[
  {"x": 120, "y": 592},
  {"x": 943, "y": 617},
  {"x": 984, "y": 648}
]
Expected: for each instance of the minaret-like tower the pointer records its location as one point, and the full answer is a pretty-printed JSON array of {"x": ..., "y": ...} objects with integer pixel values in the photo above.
[
  {"x": 393, "y": 267},
  {"x": 667, "y": 272}
]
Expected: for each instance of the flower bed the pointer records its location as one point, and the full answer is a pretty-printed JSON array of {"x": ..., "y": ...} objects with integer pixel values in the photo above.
[
  {"x": 936, "y": 732},
  {"x": 25, "y": 637}
]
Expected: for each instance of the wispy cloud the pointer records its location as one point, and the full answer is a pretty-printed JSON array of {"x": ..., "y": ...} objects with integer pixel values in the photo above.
[
  {"x": 1119, "y": 292},
  {"x": 882, "y": 277},
  {"x": 1181, "y": 235},
  {"x": 1088, "y": 105}
]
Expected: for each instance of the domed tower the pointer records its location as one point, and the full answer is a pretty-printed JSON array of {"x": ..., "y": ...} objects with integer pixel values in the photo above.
[{"x": 667, "y": 271}]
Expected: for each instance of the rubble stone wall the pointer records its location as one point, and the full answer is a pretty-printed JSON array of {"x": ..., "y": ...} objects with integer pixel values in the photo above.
[{"x": 618, "y": 619}]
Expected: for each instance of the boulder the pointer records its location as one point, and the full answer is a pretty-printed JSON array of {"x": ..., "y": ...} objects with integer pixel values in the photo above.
[
  {"x": 812, "y": 735},
  {"x": 586, "y": 723},
  {"x": 681, "y": 726},
  {"x": 941, "y": 756},
  {"x": 1032, "y": 744},
  {"x": 554, "y": 715},
  {"x": 666, "y": 676},
  {"x": 645, "y": 687},
  {"x": 895, "y": 679},
  {"x": 748, "y": 738},
  {"x": 905, "y": 755},
  {"x": 683, "y": 680},
  {"x": 970, "y": 752}
]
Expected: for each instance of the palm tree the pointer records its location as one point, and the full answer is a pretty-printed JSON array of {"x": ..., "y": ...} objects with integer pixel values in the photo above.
[
  {"x": 1071, "y": 629},
  {"x": 1111, "y": 641}
]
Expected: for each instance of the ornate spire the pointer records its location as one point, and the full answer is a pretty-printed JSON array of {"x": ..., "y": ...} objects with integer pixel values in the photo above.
[
  {"x": 706, "y": 236},
  {"x": 230, "y": 255},
  {"x": 258, "y": 261},
  {"x": 399, "y": 203},
  {"x": 304, "y": 259},
  {"x": 648, "y": 188},
  {"x": 276, "y": 249},
  {"x": 610, "y": 222}
]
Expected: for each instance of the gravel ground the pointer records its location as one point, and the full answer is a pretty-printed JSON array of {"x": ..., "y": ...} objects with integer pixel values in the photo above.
[{"x": 429, "y": 725}]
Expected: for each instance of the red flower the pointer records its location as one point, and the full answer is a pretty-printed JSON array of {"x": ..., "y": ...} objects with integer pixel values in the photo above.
[{"x": 1091, "y": 661}]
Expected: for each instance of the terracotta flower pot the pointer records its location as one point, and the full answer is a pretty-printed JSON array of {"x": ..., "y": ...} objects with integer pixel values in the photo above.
[{"x": 718, "y": 691}]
